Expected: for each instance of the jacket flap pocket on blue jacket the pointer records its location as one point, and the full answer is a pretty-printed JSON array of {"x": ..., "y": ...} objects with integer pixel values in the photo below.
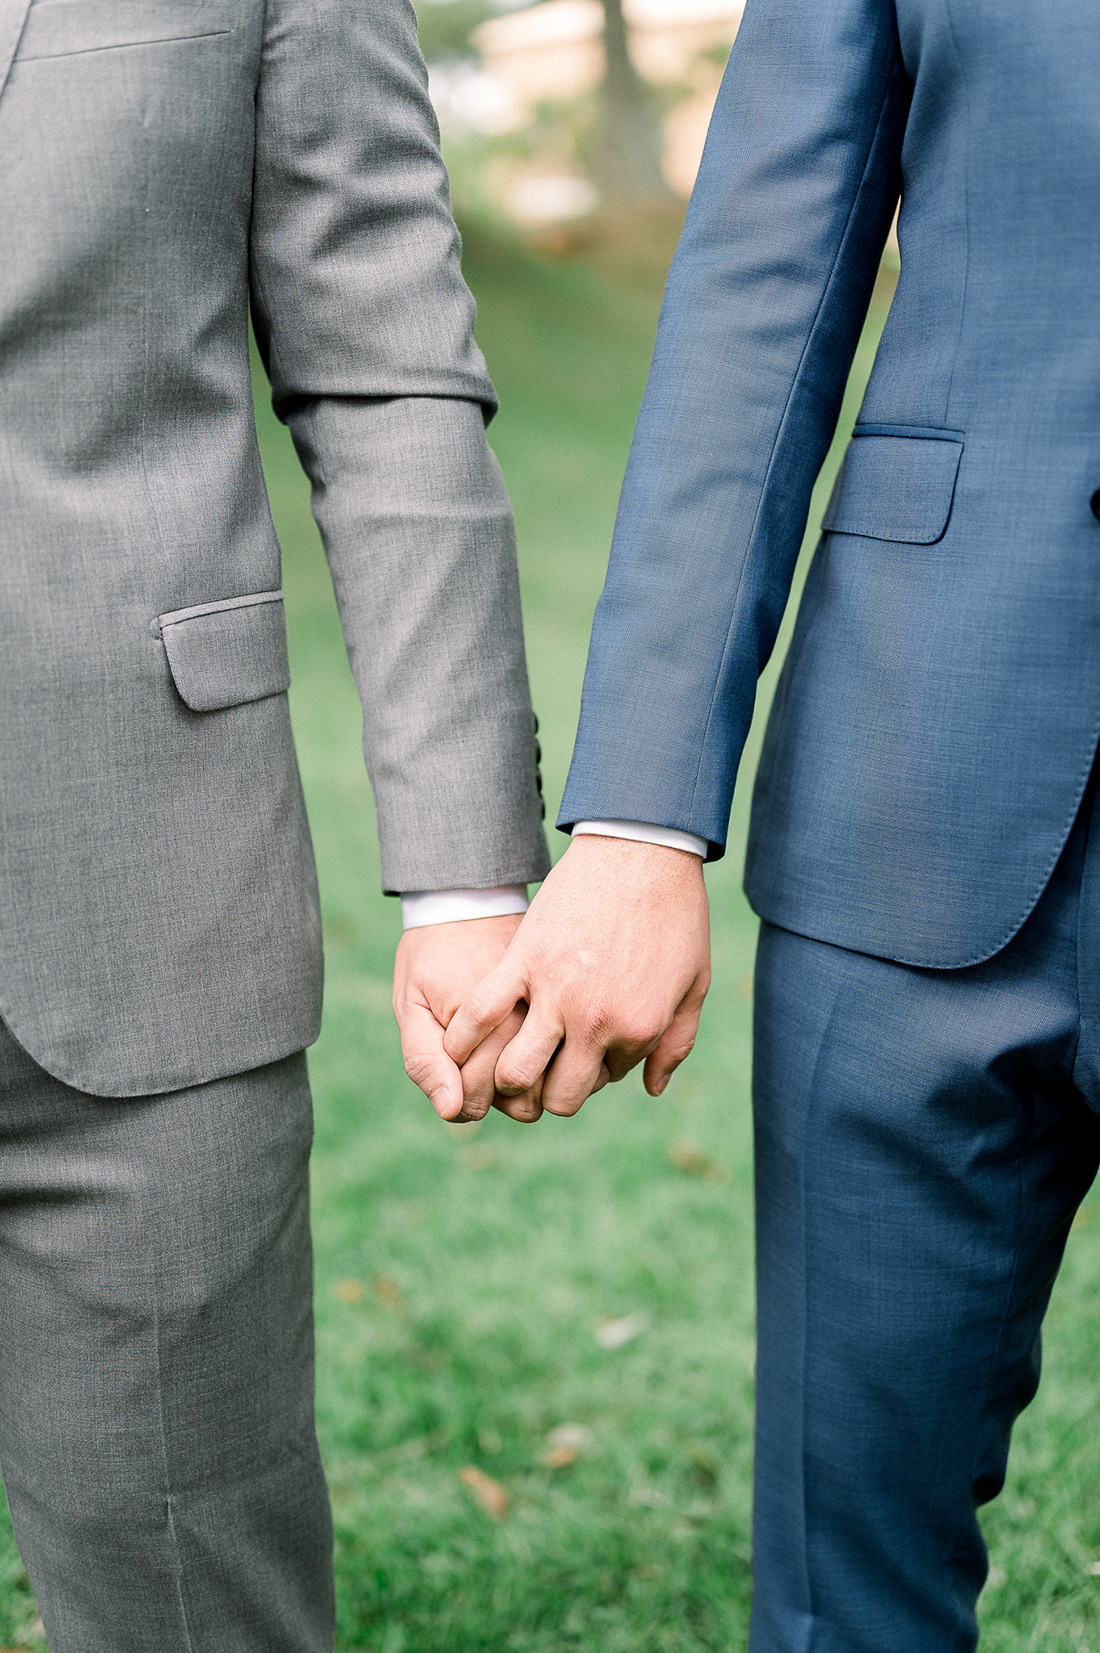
[
  {"x": 223, "y": 654},
  {"x": 896, "y": 485}
]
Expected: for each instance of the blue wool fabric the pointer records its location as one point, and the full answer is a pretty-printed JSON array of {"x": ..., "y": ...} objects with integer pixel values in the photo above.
[
  {"x": 935, "y": 725},
  {"x": 923, "y": 1139}
]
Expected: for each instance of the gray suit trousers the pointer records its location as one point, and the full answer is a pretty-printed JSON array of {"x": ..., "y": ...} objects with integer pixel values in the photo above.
[{"x": 156, "y": 1369}]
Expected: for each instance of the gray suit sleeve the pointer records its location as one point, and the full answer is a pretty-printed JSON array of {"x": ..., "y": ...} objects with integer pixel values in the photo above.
[{"x": 366, "y": 328}]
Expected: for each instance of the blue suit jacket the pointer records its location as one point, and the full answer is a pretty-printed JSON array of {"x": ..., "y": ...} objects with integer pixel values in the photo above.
[{"x": 935, "y": 724}]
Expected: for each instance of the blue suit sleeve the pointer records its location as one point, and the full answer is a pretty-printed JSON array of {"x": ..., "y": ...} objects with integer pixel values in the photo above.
[{"x": 765, "y": 301}]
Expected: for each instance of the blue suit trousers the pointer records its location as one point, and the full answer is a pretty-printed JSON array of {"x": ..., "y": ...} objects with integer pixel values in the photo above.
[{"x": 923, "y": 1139}]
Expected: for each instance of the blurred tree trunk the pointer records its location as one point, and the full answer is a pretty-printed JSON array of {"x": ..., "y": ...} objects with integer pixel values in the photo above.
[{"x": 627, "y": 159}]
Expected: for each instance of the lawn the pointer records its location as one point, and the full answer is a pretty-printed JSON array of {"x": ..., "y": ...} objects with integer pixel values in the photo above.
[{"x": 535, "y": 1344}]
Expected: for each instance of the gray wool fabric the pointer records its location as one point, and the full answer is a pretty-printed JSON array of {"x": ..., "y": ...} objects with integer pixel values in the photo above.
[
  {"x": 156, "y": 1369},
  {"x": 163, "y": 165}
]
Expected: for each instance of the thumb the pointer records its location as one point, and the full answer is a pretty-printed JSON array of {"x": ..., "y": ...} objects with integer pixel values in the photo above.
[
  {"x": 490, "y": 1004},
  {"x": 427, "y": 1063},
  {"x": 674, "y": 1045}
]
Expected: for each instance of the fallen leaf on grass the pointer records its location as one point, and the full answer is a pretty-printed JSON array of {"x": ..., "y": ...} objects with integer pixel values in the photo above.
[
  {"x": 612, "y": 1333},
  {"x": 349, "y": 1291},
  {"x": 388, "y": 1291},
  {"x": 565, "y": 1445},
  {"x": 560, "y": 1457},
  {"x": 492, "y": 1497},
  {"x": 573, "y": 1435},
  {"x": 688, "y": 1157},
  {"x": 1093, "y": 1568}
]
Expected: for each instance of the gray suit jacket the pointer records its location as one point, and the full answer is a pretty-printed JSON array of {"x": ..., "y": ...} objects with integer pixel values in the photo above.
[{"x": 161, "y": 162}]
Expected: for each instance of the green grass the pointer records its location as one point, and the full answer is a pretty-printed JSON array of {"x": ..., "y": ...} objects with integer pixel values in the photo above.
[
  {"x": 463, "y": 1272},
  {"x": 499, "y": 1249},
  {"x": 507, "y": 1246}
]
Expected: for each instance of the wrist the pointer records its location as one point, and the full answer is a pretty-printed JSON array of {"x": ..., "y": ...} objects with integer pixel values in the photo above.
[
  {"x": 419, "y": 908},
  {"x": 644, "y": 832},
  {"x": 607, "y": 849}
]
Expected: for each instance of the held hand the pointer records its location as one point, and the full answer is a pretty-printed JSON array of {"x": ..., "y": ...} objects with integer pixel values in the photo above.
[
  {"x": 613, "y": 959},
  {"x": 436, "y": 966}
]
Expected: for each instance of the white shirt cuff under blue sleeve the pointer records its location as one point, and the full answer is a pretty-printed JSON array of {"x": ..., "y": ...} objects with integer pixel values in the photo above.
[
  {"x": 420, "y": 907},
  {"x": 642, "y": 833}
]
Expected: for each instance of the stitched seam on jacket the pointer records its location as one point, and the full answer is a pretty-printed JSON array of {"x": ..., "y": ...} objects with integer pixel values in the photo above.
[
  {"x": 1053, "y": 862},
  {"x": 7, "y": 59},
  {"x": 966, "y": 205},
  {"x": 777, "y": 443},
  {"x": 1014, "y": 928},
  {"x": 176, "y": 615},
  {"x": 255, "y": 278},
  {"x": 912, "y": 433},
  {"x": 122, "y": 45},
  {"x": 155, "y": 512}
]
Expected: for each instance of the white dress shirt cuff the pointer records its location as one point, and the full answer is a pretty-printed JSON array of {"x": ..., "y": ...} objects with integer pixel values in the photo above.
[
  {"x": 420, "y": 907},
  {"x": 641, "y": 833}
]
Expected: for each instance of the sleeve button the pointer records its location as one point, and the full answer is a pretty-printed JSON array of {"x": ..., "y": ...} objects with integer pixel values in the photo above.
[{"x": 1094, "y": 503}]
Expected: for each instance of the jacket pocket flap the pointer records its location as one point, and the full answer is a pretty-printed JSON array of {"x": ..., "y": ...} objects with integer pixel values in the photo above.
[
  {"x": 224, "y": 654},
  {"x": 67, "y": 28},
  {"x": 895, "y": 487}
]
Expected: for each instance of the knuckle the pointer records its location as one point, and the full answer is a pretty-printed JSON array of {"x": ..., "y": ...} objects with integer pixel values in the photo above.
[
  {"x": 641, "y": 1029},
  {"x": 477, "y": 1010},
  {"x": 456, "y": 1047},
  {"x": 515, "y": 1076},
  {"x": 634, "y": 1027},
  {"x": 419, "y": 1069},
  {"x": 601, "y": 1021}
]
